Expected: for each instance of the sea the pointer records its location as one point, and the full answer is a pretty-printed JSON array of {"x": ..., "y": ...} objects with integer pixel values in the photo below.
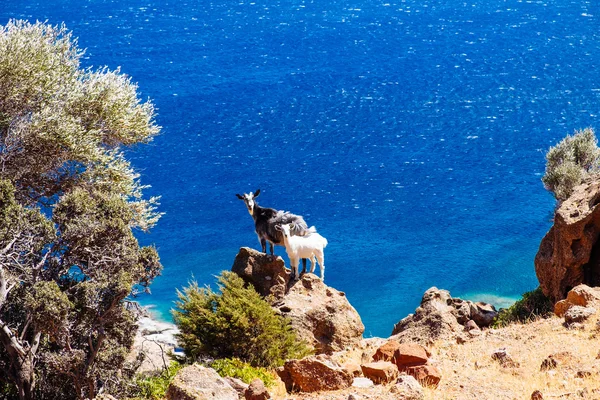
[{"x": 412, "y": 134}]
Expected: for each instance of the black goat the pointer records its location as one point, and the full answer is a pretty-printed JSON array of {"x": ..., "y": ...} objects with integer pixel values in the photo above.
[{"x": 267, "y": 219}]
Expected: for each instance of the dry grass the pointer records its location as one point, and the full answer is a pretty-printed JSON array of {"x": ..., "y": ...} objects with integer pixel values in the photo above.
[{"x": 469, "y": 372}]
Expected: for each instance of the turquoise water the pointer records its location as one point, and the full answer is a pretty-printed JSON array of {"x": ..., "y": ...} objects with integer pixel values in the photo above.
[{"x": 410, "y": 133}]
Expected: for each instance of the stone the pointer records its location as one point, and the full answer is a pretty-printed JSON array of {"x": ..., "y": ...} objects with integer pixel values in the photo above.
[
  {"x": 409, "y": 354},
  {"x": 256, "y": 391},
  {"x": 286, "y": 378},
  {"x": 353, "y": 368},
  {"x": 362, "y": 382},
  {"x": 266, "y": 273},
  {"x": 483, "y": 313},
  {"x": 317, "y": 373},
  {"x": 427, "y": 374},
  {"x": 237, "y": 384},
  {"x": 561, "y": 307},
  {"x": 583, "y": 295},
  {"x": 471, "y": 325},
  {"x": 578, "y": 314},
  {"x": 537, "y": 395},
  {"x": 440, "y": 316},
  {"x": 504, "y": 358},
  {"x": 548, "y": 364},
  {"x": 407, "y": 388},
  {"x": 380, "y": 372},
  {"x": 320, "y": 315},
  {"x": 353, "y": 396},
  {"x": 386, "y": 351},
  {"x": 195, "y": 382},
  {"x": 568, "y": 254}
]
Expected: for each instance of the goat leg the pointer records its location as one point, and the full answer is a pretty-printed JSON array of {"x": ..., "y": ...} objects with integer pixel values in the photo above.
[
  {"x": 303, "y": 266},
  {"x": 263, "y": 243}
]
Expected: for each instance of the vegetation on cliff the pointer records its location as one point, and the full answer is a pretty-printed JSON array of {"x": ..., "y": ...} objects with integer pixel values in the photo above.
[
  {"x": 235, "y": 322},
  {"x": 69, "y": 202},
  {"x": 571, "y": 161}
]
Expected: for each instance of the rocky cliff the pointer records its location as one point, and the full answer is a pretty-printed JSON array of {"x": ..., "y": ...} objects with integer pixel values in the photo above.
[{"x": 569, "y": 254}]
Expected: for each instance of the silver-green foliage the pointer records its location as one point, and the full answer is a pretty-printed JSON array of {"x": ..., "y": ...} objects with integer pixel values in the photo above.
[
  {"x": 69, "y": 201},
  {"x": 571, "y": 161}
]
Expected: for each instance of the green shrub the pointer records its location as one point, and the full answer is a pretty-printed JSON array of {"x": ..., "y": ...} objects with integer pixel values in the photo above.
[
  {"x": 569, "y": 162},
  {"x": 236, "y": 368},
  {"x": 155, "y": 387},
  {"x": 533, "y": 305},
  {"x": 236, "y": 322}
]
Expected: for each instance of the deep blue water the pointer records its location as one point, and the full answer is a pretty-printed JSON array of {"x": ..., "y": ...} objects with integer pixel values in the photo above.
[{"x": 411, "y": 133}]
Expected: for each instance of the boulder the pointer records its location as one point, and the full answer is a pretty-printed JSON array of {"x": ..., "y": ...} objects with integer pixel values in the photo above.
[
  {"x": 266, "y": 273},
  {"x": 441, "y": 316},
  {"x": 256, "y": 391},
  {"x": 387, "y": 351},
  {"x": 317, "y": 373},
  {"x": 407, "y": 388},
  {"x": 578, "y": 314},
  {"x": 321, "y": 315},
  {"x": 569, "y": 254},
  {"x": 561, "y": 307},
  {"x": 195, "y": 382},
  {"x": 380, "y": 371}
]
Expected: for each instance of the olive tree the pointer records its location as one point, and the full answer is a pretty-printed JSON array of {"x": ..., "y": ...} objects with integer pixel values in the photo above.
[
  {"x": 571, "y": 161},
  {"x": 69, "y": 204}
]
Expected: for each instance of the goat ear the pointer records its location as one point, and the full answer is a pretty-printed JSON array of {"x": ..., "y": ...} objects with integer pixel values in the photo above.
[
  {"x": 256, "y": 193},
  {"x": 278, "y": 228},
  {"x": 239, "y": 196}
]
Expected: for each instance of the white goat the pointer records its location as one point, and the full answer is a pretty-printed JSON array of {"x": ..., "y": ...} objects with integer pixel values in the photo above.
[{"x": 310, "y": 246}]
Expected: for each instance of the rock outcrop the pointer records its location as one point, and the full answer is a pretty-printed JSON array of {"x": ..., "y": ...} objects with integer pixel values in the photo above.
[
  {"x": 441, "y": 316},
  {"x": 195, "y": 382},
  {"x": 569, "y": 254},
  {"x": 321, "y": 315}
]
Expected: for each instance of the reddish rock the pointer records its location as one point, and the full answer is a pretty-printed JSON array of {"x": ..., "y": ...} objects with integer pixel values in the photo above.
[
  {"x": 537, "y": 395},
  {"x": 409, "y": 354},
  {"x": 561, "y": 307},
  {"x": 256, "y": 391},
  {"x": 380, "y": 371},
  {"x": 505, "y": 359},
  {"x": 387, "y": 351},
  {"x": 427, "y": 375},
  {"x": 569, "y": 253},
  {"x": 314, "y": 374},
  {"x": 583, "y": 295}
]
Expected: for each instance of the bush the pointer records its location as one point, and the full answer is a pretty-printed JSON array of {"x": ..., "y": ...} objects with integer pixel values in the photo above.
[
  {"x": 234, "y": 323},
  {"x": 569, "y": 162},
  {"x": 155, "y": 387},
  {"x": 236, "y": 368},
  {"x": 533, "y": 305}
]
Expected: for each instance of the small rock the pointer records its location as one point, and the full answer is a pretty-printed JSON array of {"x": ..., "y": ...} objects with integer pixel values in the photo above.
[
  {"x": 196, "y": 382},
  {"x": 353, "y": 396},
  {"x": 387, "y": 351},
  {"x": 470, "y": 325},
  {"x": 578, "y": 314},
  {"x": 407, "y": 388},
  {"x": 427, "y": 374},
  {"x": 502, "y": 356},
  {"x": 256, "y": 391},
  {"x": 548, "y": 363},
  {"x": 561, "y": 307},
  {"x": 584, "y": 373},
  {"x": 362, "y": 382},
  {"x": 409, "y": 354},
  {"x": 353, "y": 368},
  {"x": 537, "y": 395},
  {"x": 237, "y": 384},
  {"x": 380, "y": 371}
]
